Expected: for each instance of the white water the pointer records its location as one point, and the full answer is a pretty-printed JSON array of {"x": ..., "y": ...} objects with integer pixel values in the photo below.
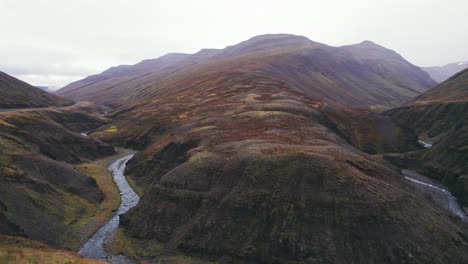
[
  {"x": 425, "y": 144},
  {"x": 94, "y": 246},
  {"x": 451, "y": 200}
]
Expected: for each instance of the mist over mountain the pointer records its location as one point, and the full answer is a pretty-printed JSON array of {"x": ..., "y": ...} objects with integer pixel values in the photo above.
[{"x": 442, "y": 73}]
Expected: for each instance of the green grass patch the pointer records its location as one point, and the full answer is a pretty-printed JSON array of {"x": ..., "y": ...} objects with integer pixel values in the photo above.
[{"x": 20, "y": 250}]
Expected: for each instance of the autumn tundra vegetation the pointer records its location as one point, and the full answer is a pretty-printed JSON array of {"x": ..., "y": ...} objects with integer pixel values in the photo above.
[{"x": 278, "y": 149}]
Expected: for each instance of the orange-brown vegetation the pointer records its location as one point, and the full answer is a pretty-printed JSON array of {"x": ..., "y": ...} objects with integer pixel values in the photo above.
[{"x": 268, "y": 169}]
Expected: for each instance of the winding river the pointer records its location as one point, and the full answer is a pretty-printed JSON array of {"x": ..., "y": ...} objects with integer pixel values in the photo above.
[
  {"x": 94, "y": 246},
  {"x": 425, "y": 144},
  {"x": 437, "y": 191},
  {"x": 449, "y": 201}
]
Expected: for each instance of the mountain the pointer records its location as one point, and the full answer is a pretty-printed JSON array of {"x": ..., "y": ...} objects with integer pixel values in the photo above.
[
  {"x": 49, "y": 89},
  {"x": 253, "y": 154},
  {"x": 442, "y": 73},
  {"x": 116, "y": 78},
  {"x": 44, "y": 88},
  {"x": 440, "y": 116},
  {"x": 347, "y": 75},
  {"x": 15, "y": 93}
]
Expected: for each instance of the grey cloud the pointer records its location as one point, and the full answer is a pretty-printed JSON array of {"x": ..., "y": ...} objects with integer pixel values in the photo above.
[{"x": 52, "y": 38}]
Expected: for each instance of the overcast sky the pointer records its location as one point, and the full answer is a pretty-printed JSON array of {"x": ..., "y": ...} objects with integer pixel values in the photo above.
[{"x": 54, "y": 42}]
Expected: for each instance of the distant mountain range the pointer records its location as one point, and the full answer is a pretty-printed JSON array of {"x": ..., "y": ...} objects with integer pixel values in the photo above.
[
  {"x": 442, "y": 73},
  {"x": 50, "y": 89}
]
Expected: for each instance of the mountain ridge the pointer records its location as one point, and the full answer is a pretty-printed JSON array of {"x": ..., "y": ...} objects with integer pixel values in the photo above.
[
  {"x": 363, "y": 81},
  {"x": 442, "y": 73},
  {"x": 15, "y": 93}
]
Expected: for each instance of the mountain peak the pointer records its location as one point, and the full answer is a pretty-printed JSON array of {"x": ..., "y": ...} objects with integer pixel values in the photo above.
[
  {"x": 270, "y": 42},
  {"x": 370, "y": 50},
  {"x": 277, "y": 37},
  {"x": 369, "y": 43}
]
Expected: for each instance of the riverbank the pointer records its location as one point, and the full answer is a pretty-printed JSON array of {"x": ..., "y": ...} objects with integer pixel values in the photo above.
[
  {"x": 438, "y": 193},
  {"x": 94, "y": 246},
  {"x": 98, "y": 170}
]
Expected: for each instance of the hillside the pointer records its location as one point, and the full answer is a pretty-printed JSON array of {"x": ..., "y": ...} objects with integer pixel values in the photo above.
[
  {"x": 116, "y": 79},
  {"x": 442, "y": 73},
  {"x": 18, "y": 94},
  {"x": 241, "y": 161},
  {"x": 345, "y": 75},
  {"x": 42, "y": 194},
  {"x": 440, "y": 116},
  {"x": 455, "y": 89}
]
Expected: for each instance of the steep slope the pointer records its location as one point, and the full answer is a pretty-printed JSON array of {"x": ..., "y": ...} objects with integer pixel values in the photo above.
[
  {"x": 345, "y": 75},
  {"x": 42, "y": 195},
  {"x": 442, "y": 73},
  {"x": 236, "y": 164},
  {"x": 113, "y": 77},
  {"x": 392, "y": 67},
  {"x": 440, "y": 116},
  {"x": 455, "y": 89},
  {"x": 18, "y": 94}
]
